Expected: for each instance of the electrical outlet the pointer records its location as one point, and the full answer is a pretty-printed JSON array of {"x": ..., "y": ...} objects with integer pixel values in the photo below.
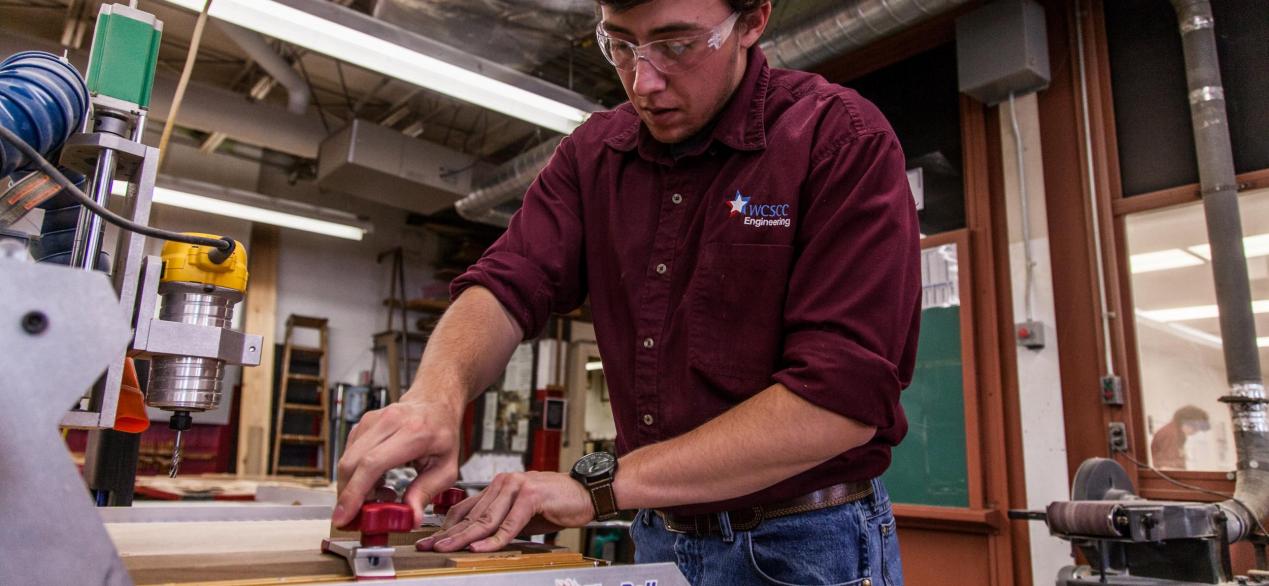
[{"x": 1118, "y": 434}]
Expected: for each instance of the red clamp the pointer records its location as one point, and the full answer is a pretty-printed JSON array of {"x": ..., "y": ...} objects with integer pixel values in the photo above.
[
  {"x": 376, "y": 520},
  {"x": 446, "y": 500}
]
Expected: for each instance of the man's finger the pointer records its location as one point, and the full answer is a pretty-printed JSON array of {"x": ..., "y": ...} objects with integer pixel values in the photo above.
[
  {"x": 484, "y": 520},
  {"x": 457, "y": 516},
  {"x": 517, "y": 518},
  {"x": 368, "y": 473},
  {"x": 460, "y": 511},
  {"x": 363, "y": 438},
  {"x": 433, "y": 479}
]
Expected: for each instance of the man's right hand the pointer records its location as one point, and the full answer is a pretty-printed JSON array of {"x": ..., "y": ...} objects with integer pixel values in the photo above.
[{"x": 418, "y": 431}]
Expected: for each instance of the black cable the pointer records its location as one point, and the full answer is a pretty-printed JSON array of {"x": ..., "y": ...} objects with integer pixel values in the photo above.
[
  {"x": 1185, "y": 485},
  {"x": 225, "y": 245}
]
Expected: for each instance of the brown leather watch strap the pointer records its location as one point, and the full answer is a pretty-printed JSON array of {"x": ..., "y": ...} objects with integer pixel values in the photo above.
[{"x": 603, "y": 499}]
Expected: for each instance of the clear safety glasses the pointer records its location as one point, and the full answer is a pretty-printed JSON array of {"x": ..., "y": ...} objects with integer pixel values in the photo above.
[{"x": 669, "y": 56}]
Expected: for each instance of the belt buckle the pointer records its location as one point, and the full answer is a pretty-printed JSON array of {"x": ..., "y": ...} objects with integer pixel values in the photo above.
[{"x": 665, "y": 522}]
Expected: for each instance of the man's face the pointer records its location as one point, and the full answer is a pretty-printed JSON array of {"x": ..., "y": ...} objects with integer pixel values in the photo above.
[{"x": 674, "y": 107}]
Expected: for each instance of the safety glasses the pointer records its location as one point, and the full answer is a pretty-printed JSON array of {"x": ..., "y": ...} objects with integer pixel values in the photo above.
[{"x": 669, "y": 56}]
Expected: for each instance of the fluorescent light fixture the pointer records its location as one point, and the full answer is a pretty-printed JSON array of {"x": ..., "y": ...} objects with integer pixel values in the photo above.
[
  {"x": 1149, "y": 262},
  {"x": 349, "y": 45},
  {"x": 253, "y": 207},
  {"x": 1195, "y": 334},
  {"x": 1253, "y": 246},
  {"x": 1196, "y": 312},
  {"x": 594, "y": 365}
]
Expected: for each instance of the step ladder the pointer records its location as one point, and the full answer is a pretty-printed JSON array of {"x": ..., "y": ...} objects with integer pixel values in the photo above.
[{"x": 302, "y": 423}]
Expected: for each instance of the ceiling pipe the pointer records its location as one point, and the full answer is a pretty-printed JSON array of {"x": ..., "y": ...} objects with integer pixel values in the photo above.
[
  {"x": 1219, "y": 187},
  {"x": 841, "y": 31},
  {"x": 853, "y": 26},
  {"x": 507, "y": 183},
  {"x": 254, "y": 45}
]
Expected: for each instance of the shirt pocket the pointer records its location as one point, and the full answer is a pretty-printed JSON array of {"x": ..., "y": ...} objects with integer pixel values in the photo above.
[{"x": 735, "y": 321}]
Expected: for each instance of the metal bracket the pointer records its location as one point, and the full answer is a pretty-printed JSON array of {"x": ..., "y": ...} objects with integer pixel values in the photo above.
[
  {"x": 181, "y": 339},
  {"x": 82, "y": 150},
  {"x": 59, "y": 329},
  {"x": 366, "y": 563}
]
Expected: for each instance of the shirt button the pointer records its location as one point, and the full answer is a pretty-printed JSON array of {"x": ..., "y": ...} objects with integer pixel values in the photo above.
[
  {"x": 661, "y": 268},
  {"x": 648, "y": 343},
  {"x": 676, "y": 198},
  {"x": 647, "y": 419}
]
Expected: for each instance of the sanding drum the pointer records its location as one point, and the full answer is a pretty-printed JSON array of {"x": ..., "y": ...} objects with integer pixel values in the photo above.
[{"x": 1087, "y": 518}]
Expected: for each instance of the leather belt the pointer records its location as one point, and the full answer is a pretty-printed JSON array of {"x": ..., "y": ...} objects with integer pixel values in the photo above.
[{"x": 749, "y": 518}]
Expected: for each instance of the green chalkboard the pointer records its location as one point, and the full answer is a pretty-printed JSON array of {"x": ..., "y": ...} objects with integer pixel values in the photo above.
[{"x": 929, "y": 465}]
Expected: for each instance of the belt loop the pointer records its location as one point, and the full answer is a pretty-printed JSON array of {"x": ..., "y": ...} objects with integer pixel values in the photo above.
[
  {"x": 646, "y": 515},
  {"x": 724, "y": 527}
]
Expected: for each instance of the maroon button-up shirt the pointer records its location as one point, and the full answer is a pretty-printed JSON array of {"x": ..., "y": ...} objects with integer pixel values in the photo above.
[{"x": 782, "y": 248}]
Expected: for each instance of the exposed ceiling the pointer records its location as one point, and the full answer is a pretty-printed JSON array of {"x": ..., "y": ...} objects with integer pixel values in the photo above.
[{"x": 551, "y": 39}]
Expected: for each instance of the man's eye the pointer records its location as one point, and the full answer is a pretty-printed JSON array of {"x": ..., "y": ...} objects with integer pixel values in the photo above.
[{"x": 677, "y": 48}]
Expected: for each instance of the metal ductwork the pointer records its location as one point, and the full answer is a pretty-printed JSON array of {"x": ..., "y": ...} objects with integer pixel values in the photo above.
[
  {"x": 380, "y": 164},
  {"x": 211, "y": 109},
  {"x": 254, "y": 45},
  {"x": 507, "y": 183},
  {"x": 1219, "y": 186},
  {"x": 853, "y": 26}
]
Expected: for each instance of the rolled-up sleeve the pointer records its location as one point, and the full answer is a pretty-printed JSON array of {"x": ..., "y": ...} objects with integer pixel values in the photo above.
[
  {"x": 853, "y": 306},
  {"x": 536, "y": 266}
]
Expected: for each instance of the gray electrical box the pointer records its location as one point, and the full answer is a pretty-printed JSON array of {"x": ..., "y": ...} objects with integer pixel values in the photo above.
[{"x": 1002, "y": 48}]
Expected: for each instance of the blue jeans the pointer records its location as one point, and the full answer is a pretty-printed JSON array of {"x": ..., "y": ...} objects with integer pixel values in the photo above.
[{"x": 854, "y": 544}]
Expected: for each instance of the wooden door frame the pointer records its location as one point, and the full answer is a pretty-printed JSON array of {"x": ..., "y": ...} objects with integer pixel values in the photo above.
[{"x": 993, "y": 428}]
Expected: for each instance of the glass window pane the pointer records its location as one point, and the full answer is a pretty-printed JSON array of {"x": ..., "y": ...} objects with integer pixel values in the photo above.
[
  {"x": 1178, "y": 335},
  {"x": 1152, "y": 114}
]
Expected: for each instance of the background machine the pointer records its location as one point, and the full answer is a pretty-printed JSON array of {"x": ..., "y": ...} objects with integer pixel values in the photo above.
[{"x": 1129, "y": 540}]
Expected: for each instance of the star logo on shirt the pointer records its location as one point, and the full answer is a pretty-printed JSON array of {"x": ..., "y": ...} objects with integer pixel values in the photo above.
[{"x": 737, "y": 205}]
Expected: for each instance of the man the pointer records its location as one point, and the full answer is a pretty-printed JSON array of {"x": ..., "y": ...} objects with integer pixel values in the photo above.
[
  {"x": 1167, "y": 447},
  {"x": 750, "y": 249}
]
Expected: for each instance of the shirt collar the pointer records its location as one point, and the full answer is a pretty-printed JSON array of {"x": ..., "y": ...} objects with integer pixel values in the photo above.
[{"x": 740, "y": 125}]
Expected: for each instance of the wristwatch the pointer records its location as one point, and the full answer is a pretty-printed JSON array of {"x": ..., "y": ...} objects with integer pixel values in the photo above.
[{"x": 596, "y": 471}]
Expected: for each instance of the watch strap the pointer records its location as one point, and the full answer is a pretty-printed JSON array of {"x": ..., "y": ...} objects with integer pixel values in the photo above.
[{"x": 603, "y": 499}]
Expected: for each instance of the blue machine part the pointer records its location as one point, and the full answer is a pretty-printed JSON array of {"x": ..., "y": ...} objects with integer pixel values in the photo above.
[
  {"x": 43, "y": 100},
  {"x": 57, "y": 233}
]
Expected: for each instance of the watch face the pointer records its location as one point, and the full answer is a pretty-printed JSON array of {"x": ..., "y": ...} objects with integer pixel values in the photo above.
[{"x": 595, "y": 464}]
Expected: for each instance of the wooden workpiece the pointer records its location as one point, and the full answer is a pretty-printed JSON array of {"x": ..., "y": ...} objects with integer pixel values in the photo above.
[
  {"x": 312, "y": 566},
  {"x": 246, "y": 553}
]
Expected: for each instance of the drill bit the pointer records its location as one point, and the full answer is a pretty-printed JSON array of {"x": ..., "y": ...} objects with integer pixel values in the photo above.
[{"x": 176, "y": 456}]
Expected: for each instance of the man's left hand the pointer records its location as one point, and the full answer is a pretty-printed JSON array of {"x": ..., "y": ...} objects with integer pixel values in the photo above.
[{"x": 541, "y": 502}]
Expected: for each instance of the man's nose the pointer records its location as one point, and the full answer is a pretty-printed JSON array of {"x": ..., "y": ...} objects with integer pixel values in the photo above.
[{"x": 647, "y": 80}]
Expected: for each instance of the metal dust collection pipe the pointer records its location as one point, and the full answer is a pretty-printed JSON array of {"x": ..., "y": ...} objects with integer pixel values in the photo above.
[{"x": 1246, "y": 399}]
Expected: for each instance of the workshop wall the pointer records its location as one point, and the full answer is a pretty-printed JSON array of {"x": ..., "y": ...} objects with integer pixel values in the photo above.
[{"x": 340, "y": 279}]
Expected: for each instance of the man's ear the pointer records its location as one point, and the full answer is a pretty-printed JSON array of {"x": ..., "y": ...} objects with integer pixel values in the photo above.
[{"x": 752, "y": 24}]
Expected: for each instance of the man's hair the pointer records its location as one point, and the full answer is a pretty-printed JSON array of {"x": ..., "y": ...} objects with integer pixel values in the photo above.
[
  {"x": 1192, "y": 415},
  {"x": 741, "y": 6}
]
